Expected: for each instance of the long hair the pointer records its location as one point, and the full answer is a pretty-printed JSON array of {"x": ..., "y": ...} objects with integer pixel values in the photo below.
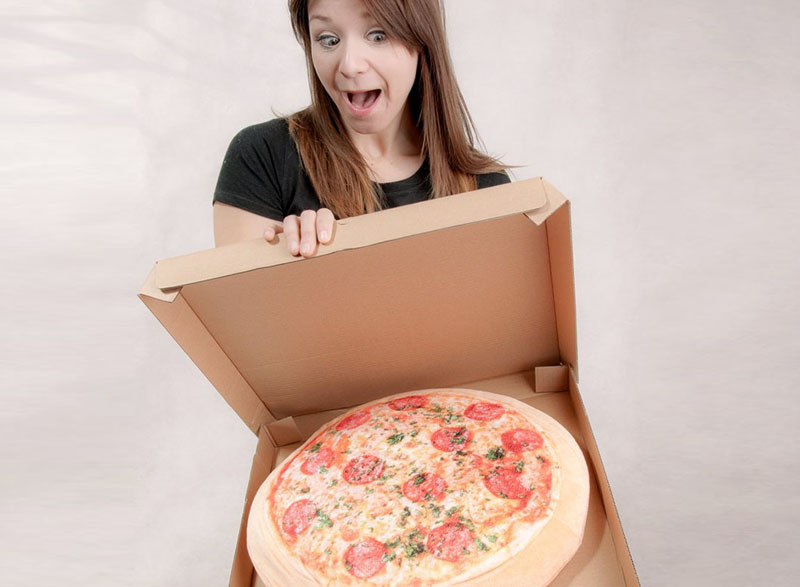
[{"x": 336, "y": 168}]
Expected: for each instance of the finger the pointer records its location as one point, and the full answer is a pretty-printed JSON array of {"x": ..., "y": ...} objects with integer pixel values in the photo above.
[
  {"x": 308, "y": 232},
  {"x": 291, "y": 228},
  {"x": 271, "y": 231},
  {"x": 325, "y": 222}
]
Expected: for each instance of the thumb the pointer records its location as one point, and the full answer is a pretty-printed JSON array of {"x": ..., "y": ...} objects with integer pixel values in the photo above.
[{"x": 271, "y": 231}]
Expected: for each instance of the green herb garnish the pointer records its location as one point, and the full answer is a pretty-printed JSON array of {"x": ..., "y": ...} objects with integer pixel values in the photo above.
[
  {"x": 395, "y": 438},
  {"x": 323, "y": 518},
  {"x": 495, "y": 453},
  {"x": 393, "y": 544},
  {"x": 413, "y": 549}
]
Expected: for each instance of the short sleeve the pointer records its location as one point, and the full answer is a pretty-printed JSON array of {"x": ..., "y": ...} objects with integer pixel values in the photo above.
[
  {"x": 252, "y": 171},
  {"x": 488, "y": 180}
]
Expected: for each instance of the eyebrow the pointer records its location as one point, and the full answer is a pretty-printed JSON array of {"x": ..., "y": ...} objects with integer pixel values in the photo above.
[{"x": 364, "y": 14}]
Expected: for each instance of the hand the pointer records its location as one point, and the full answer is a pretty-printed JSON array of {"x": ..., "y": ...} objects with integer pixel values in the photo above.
[{"x": 304, "y": 232}]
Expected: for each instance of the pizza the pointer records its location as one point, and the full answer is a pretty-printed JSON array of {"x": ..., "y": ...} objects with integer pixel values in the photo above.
[{"x": 421, "y": 488}]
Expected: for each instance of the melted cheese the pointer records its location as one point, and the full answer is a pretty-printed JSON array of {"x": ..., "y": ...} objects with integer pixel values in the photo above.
[{"x": 348, "y": 513}]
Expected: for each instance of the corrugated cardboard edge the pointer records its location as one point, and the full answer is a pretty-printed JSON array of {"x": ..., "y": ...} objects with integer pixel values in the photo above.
[
  {"x": 151, "y": 290},
  {"x": 612, "y": 515},
  {"x": 180, "y": 320},
  {"x": 263, "y": 463},
  {"x": 562, "y": 273},
  {"x": 553, "y": 201},
  {"x": 360, "y": 231}
]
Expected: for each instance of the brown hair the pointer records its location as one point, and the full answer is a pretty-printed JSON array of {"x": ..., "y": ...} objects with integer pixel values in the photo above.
[{"x": 337, "y": 170}]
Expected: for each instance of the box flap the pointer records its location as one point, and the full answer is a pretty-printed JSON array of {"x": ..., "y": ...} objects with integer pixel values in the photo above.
[
  {"x": 450, "y": 290},
  {"x": 358, "y": 231}
]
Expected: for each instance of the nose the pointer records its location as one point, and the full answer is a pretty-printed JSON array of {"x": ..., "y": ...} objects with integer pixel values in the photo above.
[{"x": 354, "y": 60}]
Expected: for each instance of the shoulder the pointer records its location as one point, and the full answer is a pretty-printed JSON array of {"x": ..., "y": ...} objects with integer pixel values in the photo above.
[
  {"x": 487, "y": 180},
  {"x": 265, "y": 149},
  {"x": 273, "y": 134},
  {"x": 259, "y": 170}
]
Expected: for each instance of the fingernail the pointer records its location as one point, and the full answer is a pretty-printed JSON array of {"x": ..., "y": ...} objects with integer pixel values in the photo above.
[
  {"x": 306, "y": 249},
  {"x": 323, "y": 236}
]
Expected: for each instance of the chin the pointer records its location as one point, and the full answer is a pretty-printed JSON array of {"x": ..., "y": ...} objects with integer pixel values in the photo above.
[
  {"x": 364, "y": 127},
  {"x": 370, "y": 125}
]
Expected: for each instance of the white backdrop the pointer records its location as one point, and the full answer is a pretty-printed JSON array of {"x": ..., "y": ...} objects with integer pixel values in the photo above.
[{"x": 672, "y": 126}]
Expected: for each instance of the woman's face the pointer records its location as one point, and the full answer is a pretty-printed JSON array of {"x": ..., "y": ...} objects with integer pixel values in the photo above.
[{"x": 367, "y": 75}]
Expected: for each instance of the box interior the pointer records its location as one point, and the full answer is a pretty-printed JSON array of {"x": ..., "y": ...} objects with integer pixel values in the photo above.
[{"x": 480, "y": 308}]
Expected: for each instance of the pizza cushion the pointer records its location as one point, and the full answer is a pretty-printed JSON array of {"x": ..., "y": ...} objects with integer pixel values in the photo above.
[{"x": 429, "y": 487}]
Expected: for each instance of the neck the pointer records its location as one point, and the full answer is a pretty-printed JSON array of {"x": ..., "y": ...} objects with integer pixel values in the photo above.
[{"x": 401, "y": 139}]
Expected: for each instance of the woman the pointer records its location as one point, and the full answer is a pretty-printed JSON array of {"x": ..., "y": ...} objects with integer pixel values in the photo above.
[{"x": 387, "y": 126}]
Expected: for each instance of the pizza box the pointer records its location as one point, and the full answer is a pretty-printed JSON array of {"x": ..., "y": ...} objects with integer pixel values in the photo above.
[{"x": 474, "y": 291}]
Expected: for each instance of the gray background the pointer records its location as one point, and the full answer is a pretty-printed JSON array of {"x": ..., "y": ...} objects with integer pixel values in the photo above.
[{"x": 672, "y": 126}]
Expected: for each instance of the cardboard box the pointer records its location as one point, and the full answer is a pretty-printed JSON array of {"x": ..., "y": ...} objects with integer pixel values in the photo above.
[{"x": 475, "y": 290}]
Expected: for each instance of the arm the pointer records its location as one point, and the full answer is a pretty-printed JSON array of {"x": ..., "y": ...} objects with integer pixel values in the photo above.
[{"x": 232, "y": 225}]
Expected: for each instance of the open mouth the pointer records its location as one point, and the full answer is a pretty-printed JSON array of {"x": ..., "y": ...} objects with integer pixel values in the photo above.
[{"x": 363, "y": 100}]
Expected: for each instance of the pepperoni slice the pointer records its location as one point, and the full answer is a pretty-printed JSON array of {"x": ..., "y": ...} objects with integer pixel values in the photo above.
[
  {"x": 363, "y": 469},
  {"x": 425, "y": 487},
  {"x": 322, "y": 458},
  {"x": 450, "y": 541},
  {"x": 505, "y": 482},
  {"x": 484, "y": 411},
  {"x": 354, "y": 420},
  {"x": 298, "y": 517},
  {"x": 409, "y": 402},
  {"x": 521, "y": 439},
  {"x": 451, "y": 439},
  {"x": 365, "y": 559}
]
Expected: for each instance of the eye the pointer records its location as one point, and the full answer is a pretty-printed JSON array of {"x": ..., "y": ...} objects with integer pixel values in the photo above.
[
  {"x": 328, "y": 41},
  {"x": 376, "y": 36}
]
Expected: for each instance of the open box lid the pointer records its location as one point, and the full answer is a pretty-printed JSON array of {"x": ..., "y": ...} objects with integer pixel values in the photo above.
[{"x": 432, "y": 294}]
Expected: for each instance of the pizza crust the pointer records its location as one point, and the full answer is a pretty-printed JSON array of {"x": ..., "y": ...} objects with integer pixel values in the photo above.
[{"x": 536, "y": 553}]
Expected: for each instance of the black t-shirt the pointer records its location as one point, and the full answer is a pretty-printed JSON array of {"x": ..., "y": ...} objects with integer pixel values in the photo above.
[{"x": 262, "y": 174}]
